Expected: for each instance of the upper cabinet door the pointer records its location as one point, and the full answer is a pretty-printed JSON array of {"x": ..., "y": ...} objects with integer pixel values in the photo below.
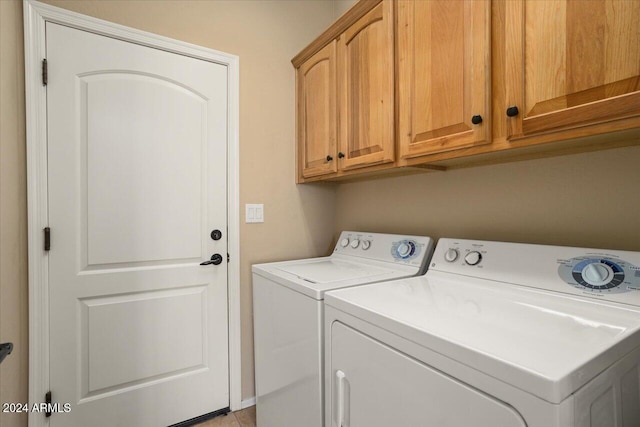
[
  {"x": 571, "y": 63},
  {"x": 365, "y": 55},
  {"x": 444, "y": 82},
  {"x": 317, "y": 114}
]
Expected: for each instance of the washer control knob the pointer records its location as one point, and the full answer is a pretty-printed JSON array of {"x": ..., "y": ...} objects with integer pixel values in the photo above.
[
  {"x": 366, "y": 244},
  {"x": 597, "y": 274},
  {"x": 404, "y": 249},
  {"x": 451, "y": 255},
  {"x": 355, "y": 243},
  {"x": 344, "y": 242},
  {"x": 473, "y": 258}
]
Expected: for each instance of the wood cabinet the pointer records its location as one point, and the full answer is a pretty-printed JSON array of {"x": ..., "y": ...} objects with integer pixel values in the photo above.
[
  {"x": 399, "y": 85},
  {"x": 444, "y": 85},
  {"x": 345, "y": 97},
  {"x": 365, "y": 70},
  {"x": 317, "y": 114},
  {"x": 571, "y": 63}
]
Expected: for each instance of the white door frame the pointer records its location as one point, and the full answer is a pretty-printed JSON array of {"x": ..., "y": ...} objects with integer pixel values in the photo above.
[{"x": 36, "y": 14}]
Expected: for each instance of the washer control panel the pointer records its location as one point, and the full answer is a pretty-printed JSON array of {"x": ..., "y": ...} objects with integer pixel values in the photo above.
[
  {"x": 604, "y": 274},
  {"x": 600, "y": 274},
  {"x": 409, "y": 250}
]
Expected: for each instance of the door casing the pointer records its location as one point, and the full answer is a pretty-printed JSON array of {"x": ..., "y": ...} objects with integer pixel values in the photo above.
[{"x": 36, "y": 14}]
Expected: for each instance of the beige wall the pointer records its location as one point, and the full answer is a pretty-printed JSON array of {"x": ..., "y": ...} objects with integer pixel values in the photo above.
[
  {"x": 341, "y": 6},
  {"x": 580, "y": 200},
  {"x": 13, "y": 213},
  {"x": 265, "y": 35}
]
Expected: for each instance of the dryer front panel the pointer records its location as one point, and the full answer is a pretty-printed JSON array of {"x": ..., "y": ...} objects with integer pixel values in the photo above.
[{"x": 374, "y": 385}]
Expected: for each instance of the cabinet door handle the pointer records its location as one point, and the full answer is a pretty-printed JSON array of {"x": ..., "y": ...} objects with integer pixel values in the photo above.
[
  {"x": 340, "y": 376},
  {"x": 512, "y": 111},
  {"x": 329, "y": 158},
  {"x": 476, "y": 120},
  {"x": 340, "y": 155}
]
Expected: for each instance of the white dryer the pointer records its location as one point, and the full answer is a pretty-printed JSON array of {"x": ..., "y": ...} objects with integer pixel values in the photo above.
[
  {"x": 288, "y": 318},
  {"x": 494, "y": 335}
]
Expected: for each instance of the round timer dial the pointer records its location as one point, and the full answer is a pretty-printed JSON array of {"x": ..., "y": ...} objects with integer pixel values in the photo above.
[
  {"x": 404, "y": 250},
  {"x": 601, "y": 274},
  {"x": 596, "y": 273}
]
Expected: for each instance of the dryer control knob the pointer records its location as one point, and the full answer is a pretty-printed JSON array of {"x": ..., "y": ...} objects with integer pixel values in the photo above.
[
  {"x": 597, "y": 274},
  {"x": 366, "y": 244},
  {"x": 355, "y": 243},
  {"x": 344, "y": 242},
  {"x": 473, "y": 258},
  {"x": 451, "y": 255}
]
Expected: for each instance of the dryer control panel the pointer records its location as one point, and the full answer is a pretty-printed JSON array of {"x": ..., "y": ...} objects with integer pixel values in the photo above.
[
  {"x": 409, "y": 250},
  {"x": 600, "y": 274},
  {"x": 606, "y": 274}
]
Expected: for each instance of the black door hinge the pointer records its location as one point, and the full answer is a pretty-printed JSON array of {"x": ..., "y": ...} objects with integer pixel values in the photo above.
[
  {"x": 47, "y": 238},
  {"x": 45, "y": 72},
  {"x": 47, "y": 400},
  {"x": 228, "y": 257}
]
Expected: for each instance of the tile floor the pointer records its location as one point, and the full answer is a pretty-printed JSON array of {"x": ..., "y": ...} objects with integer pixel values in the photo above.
[{"x": 243, "y": 418}]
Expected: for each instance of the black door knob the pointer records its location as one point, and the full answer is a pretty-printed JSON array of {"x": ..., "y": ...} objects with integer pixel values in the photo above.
[
  {"x": 340, "y": 155},
  {"x": 216, "y": 234},
  {"x": 215, "y": 260},
  {"x": 5, "y": 349},
  {"x": 512, "y": 111},
  {"x": 329, "y": 158},
  {"x": 476, "y": 120}
]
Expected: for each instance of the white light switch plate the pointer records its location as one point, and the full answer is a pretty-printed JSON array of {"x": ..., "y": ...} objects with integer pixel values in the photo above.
[{"x": 254, "y": 213}]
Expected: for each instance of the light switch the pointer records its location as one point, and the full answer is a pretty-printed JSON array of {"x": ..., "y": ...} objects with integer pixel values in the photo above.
[{"x": 254, "y": 213}]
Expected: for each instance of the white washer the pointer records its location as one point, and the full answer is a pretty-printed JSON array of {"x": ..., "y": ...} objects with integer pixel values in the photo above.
[
  {"x": 494, "y": 335},
  {"x": 288, "y": 313}
]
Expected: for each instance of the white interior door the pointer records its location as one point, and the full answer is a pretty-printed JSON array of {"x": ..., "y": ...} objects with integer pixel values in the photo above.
[{"x": 137, "y": 181}]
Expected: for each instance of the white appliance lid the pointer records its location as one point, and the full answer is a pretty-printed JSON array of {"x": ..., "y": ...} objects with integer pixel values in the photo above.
[
  {"x": 332, "y": 270},
  {"x": 544, "y": 343},
  {"x": 303, "y": 276}
]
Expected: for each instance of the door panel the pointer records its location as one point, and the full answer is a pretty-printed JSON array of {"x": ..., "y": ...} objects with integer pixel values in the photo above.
[
  {"x": 317, "y": 113},
  {"x": 571, "y": 63},
  {"x": 444, "y": 60},
  {"x": 118, "y": 326},
  {"x": 365, "y": 55},
  {"x": 132, "y": 164},
  {"x": 137, "y": 180},
  {"x": 373, "y": 385}
]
